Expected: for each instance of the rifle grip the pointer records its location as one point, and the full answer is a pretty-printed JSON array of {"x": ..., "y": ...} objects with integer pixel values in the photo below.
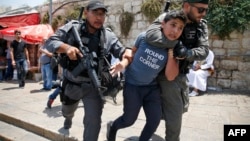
[{"x": 167, "y": 6}]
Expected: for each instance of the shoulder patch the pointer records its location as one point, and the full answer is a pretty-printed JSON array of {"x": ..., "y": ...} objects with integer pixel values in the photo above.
[
  {"x": 109, "y": 29},
  {"x": 203, "y": 21},
  {"x": 74, "y": 22}
]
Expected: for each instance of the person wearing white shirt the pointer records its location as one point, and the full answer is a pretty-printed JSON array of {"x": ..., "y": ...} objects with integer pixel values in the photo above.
[{"x": 198, "y": 75}]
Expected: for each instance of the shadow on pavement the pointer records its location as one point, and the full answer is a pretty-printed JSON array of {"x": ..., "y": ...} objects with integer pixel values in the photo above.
[
  {"x": 11, "y": 88},
  {"x": 40, "y": 90},
  {"x": 55, "y": 111},
  {"x": 154, "y": 138},
  {"x": 36, "y": 91}
]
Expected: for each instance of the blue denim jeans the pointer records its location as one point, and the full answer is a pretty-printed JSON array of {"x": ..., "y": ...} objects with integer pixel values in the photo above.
[
  {"x": 54, "y": 76},
  {"x": 55, "y": 93},
  {"x": 47, "y": 76},
  {"x": 22, "y": 69},
  {"x": 135, "y": 98}
]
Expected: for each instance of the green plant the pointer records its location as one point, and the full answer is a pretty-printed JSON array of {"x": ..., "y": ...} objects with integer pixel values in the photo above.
[
  {"x": 175, "y": 5},
  {"x": 126, "y": 21},
  {"x": 73, "y": 14},
  {"x": 55, "y": 23},
  {"x": 152, "y": 9},
  {"x": 60, "y": 20},
  {"x": 226, "y": 16},
  {"x": 45, "y": 18}
]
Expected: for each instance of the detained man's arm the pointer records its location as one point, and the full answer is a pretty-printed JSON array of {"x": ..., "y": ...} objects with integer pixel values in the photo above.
[
  {"x": 119, "y": 67},
  {"x": 172, "y": 67}
]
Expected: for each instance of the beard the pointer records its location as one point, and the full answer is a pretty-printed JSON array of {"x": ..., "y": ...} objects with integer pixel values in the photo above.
[
  {"x": 92, "y": 26},
  {"x": 192, "y": 18}
]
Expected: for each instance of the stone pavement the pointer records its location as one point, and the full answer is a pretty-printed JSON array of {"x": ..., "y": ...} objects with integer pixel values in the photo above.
[{"x": 204, "y": 121}]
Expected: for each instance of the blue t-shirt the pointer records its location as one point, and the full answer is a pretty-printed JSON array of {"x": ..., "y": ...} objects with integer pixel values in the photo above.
[{"x": 148, "y": 61}]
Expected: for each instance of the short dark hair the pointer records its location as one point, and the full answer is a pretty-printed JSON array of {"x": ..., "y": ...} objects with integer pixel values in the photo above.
[
  {"x": 175, "y": 14},
  {"x": 17, "y": 31}
]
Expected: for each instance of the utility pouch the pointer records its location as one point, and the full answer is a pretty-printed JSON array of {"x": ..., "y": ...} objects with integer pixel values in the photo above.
[
  {"x": 112, "y": 84},
  {"x": 64, "y": 98}
]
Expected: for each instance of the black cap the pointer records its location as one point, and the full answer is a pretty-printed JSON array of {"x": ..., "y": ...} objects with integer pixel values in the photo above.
[
  {"x": 197, "y": 1},
  {"x": 95, "y": 4}
]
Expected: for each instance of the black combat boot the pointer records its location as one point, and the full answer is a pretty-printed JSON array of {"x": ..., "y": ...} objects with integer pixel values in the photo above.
[
  {"x": 111, "y": 132},
  {"x": 67, "y": 123}
]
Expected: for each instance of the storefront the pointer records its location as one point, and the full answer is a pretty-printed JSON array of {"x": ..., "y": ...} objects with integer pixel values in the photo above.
[{"x": 32, "y": 33}]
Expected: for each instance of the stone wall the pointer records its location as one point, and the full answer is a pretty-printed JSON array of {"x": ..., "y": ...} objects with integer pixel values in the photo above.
[
  {"x": 232, "y": 57},
  {"x": 232, "y": 61}
]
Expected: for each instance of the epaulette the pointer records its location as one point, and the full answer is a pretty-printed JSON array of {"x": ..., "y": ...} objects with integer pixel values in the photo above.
[
  {"x": 204, "y": 21},
  {"x": 73, "y": 21},
  {"x": 109, "y": 29}
]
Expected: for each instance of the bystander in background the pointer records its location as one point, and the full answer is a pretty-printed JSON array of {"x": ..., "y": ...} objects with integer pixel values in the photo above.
[
  {"x": 20, "y": 57},
  {"x": 46, "y": 70},
  {"x": 197, "y": 76},
  {"x": 9, "y": 71}
]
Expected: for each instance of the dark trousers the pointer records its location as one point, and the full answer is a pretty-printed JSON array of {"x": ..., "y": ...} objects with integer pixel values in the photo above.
[
  {"x": 93, "y": 106},
  {"x": 174, "y": 103},
  {"x": 22, "y": 69},
  {"x": 136, "y": 97},
  {"x": 9, "y": 70}
]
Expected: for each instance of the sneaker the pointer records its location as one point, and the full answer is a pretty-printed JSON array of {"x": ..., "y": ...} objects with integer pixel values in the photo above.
[
  {"x": 193, "y": 93},
  {"x": 110, "y": 135},
  {"x": 23, "y": 83},
  {"x": 67, "y": 123},
  {"x": 49, "y": 103}
]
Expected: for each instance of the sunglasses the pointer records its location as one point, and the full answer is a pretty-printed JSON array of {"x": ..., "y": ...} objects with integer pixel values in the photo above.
[
  {"x": 200, "y": 9},
  {"x": 18, "y": 33}
]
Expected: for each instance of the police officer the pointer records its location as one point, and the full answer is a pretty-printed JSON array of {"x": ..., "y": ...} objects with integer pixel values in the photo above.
[
  {"x": 99, "y": 40},
  {"x": 195, "y": 39}
]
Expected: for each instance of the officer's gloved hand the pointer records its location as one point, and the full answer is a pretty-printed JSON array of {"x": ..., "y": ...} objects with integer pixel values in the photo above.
[{"x": 180, "y": 51}]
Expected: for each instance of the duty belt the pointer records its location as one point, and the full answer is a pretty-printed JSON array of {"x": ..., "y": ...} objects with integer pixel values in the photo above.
[{"x": 83, "y": 80}]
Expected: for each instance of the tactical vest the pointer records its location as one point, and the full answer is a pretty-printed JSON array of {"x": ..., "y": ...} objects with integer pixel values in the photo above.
[
  {"x": 189, "y": 38},
  {"x": 94, "y": 42},
  {"x": 189, "y": 35}
]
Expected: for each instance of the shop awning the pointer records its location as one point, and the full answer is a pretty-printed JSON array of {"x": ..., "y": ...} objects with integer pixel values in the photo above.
[
  {"x": 18, "y": 20},
  {"x": 31, "y": 34}
]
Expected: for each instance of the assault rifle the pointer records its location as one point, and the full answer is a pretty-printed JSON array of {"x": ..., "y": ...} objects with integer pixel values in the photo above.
[
  {"x": 87, "y": 62},
  {"x": 167, "y": 6}
]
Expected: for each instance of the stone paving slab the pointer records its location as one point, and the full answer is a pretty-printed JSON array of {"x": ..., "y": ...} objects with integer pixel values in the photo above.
[
  {"x": 11, "y": 132},
  {"x": 203, "y": 122}
]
